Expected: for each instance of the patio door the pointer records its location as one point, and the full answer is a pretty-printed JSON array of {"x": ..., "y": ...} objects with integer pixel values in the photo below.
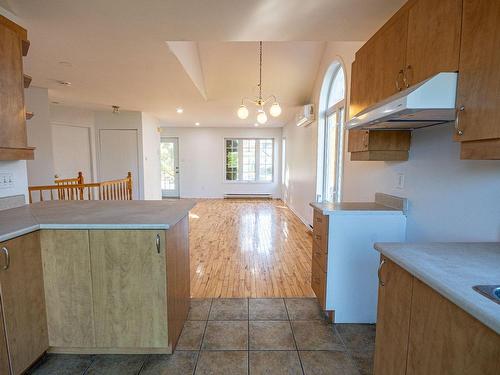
[{"x": 169, "y": 156}]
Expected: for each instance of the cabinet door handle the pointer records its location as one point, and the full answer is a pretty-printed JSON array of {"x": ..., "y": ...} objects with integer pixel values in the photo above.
[
  {"x": 158, "y": 243},
  {"x": 401, "y": 74},
  {"x": 457, "y": 127},
  {"x": 7, "y": 258},
  {"x": 379, "y": 272}
]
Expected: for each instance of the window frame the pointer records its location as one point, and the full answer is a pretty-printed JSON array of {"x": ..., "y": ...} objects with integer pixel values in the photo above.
[{"x": 240, "y": 160}]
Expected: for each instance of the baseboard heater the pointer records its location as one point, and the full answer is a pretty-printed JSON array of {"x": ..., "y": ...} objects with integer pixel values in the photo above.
[{"x": 248, "y": 196}]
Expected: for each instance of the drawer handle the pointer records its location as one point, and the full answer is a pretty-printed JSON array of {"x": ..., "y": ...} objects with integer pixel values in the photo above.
[
  {"x": 379, "y": 272},
  {"x": 7, "y": 258},
  {"x": 158, "y": 243}
]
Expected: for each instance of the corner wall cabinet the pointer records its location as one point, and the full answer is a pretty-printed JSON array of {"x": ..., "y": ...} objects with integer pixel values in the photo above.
[
  {"x": 13, "y": 135},
  {"x": 22, "y": 296},
  {"x": 422, "y": 39},
  {"x": 420, "y": 332}
]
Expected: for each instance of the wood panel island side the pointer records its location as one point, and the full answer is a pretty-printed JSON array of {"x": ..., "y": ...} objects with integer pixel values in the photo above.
[{"x": 97, "y": 277}]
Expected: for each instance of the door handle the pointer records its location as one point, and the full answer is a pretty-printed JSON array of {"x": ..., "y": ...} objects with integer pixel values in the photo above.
[
  {"x": 158, "y": 243},
  {"x": 379, "y": 273},
  {"x": 7, "y": 258}
]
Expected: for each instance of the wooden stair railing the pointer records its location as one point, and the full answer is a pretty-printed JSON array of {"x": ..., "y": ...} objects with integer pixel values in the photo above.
[{"x": 67, "y": 189}]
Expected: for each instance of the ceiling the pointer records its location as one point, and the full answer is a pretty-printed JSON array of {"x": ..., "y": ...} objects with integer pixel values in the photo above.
[{"x": 115, "y": 52}]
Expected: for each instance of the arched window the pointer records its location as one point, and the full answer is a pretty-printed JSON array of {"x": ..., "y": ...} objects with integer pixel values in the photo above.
[{"x": 332, "y": 107}]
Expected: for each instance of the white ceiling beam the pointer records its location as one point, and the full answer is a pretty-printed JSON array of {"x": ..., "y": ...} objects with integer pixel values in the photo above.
[{"x": 188, "y": 55}]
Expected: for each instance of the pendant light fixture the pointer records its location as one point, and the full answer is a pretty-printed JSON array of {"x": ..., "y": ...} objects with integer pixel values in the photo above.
[{"x": 274, "y": 110}]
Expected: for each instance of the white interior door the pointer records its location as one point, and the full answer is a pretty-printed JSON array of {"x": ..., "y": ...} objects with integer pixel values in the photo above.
[
  {"x": 71, "y": 151},
  {"x": 118, "y": 155},
  {"x": 169, "y": 156}
]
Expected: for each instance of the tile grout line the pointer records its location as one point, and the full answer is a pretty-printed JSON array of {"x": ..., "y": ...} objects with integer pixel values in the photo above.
[
  {"x": 203, "y": 337},
  {"x": 346, "y": 349},
  {"x": 293, "y": 335},
  {"x": 144, "y": 363},
  {"x": 90, "y": 365}
]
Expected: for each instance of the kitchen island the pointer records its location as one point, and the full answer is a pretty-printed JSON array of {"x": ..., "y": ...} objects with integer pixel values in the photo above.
[{"x": 92, "y": 277}]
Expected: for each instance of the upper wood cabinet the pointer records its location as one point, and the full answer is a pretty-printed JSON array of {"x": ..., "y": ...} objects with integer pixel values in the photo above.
[
  {"x": 478, "y": 99},
  {"x": 377, "y": 72},
  {"x": 433, "y": 44},
  {"x": 13, "y": 136},
  {"x": 23, "y": 301}
]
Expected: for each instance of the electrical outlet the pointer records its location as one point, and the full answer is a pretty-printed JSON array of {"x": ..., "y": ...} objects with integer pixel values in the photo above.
[
  {"x": 6, "y": 180},
  {"x": 400, "y": 181}
]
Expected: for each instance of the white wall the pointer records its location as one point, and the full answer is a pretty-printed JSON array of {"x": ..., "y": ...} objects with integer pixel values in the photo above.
[
  {"x": 450, "y": 199},
  {"x": 301, "y": 148},
  {"x": 201, "y": 161},
  {"x": 151, "y": 156},
  {"x": 41, "y": 169}
]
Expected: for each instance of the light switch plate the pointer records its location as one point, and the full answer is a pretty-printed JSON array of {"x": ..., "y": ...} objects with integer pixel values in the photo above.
[
  {"x": 6, "y": 180},
  {"x": 400, "y": 181}
]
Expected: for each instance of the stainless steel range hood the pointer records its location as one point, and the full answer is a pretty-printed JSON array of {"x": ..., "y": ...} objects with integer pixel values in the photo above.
[{"x": 428, "y": 103}]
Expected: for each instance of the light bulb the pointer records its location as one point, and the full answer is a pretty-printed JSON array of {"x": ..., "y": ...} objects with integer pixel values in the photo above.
[
  {"x": 242, "y": 112},
  {"x": 262, "y": 117},
  {"x": 275, "y": 110}
]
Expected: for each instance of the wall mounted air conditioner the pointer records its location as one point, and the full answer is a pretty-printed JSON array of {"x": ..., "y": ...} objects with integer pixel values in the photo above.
[{"x": 305, "y": 116}]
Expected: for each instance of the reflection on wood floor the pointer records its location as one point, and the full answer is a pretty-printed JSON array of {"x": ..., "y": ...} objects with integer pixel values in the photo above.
[{"x": 248, "y": 248}]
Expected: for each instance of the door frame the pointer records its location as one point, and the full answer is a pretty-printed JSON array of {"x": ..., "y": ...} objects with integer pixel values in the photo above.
[
  {"x": 176, "y": 158},
  {"x": 92, "y": 143}
]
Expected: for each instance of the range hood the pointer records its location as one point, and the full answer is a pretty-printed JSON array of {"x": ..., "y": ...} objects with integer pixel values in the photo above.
[{"x": 428, "y": 103}]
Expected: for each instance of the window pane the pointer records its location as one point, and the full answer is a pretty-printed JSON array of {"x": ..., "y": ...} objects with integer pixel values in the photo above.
[
  {"x": 231, "y": 159},
  {"x": 337, "y": 91},
  {"x": 249, "y": 160},
  {"x": 266, "y": 160}
]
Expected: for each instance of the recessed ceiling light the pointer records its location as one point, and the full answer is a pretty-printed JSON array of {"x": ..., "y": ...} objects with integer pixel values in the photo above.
[
  {"x": 64, "y": 83},
  {"x": 255, "y": 124},
  {"x": 66, "y": 64},
  {"x": 197, "y": 123},
  {"x": 55, "y": 102},
  {"x": 179, "y": 110}
]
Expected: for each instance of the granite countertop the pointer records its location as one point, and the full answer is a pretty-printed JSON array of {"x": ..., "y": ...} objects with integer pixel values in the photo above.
[
  {"x": 92, "y": 215},
  {"x": 452, "y": 269},
  {"x": 328, "y": 208}
]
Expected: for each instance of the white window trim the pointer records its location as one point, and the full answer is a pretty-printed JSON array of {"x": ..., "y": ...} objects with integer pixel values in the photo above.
[{"x": 240, "y": 160}]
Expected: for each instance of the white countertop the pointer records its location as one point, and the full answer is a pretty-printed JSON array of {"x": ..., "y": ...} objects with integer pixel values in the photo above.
[
  {"x": 452, "y": 269},
  {"x": 92, "y": 215},
  {"x": 328, "y": 208}
]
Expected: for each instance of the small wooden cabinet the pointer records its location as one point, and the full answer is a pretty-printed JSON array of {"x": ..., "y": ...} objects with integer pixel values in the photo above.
[
  {"x": 478, "y": 98},
  {"x": 370, "y": 145},
  {"x": 319, "y": 257},
  {"x": 13, "y": 135},
  {"x": 420, "y": 332},
  {"x": 23, "y": 301}
]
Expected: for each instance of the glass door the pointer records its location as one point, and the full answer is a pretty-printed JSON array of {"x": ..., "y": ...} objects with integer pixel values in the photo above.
[{"x": 169, "y": 159}]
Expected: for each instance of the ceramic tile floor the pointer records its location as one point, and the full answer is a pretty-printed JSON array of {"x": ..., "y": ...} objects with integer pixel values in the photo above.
[{"x": 242, "y": 336}]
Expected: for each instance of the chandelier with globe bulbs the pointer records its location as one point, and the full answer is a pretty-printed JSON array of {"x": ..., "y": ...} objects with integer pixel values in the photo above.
[{"x": 274, "y": 110}]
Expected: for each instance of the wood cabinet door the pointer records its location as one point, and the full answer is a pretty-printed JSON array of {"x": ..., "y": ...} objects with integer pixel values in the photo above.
[
  {"x": 378, "y": 68},
  {"x": 479, "y": 78},
  {"x": 68, "y": 288},
  {"x": 23, "y": 301},
  {"x": 178, "y": 279},
  {"x": 393, "y": 319},
  {"x": 12, "y": 115},
  {"x": 4, "y": 355},
  {"x": 129, "y": 288},
  {"x": 433, "y": 38},
  {"x": 446, "y": 340}
]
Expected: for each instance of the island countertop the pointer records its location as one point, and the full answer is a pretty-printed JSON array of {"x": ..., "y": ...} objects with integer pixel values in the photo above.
[
  {"x": 452, "y": 269},
  {"x": 92, "y": 215}
]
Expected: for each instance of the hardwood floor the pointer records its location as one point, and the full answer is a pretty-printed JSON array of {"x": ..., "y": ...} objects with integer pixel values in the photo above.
[{"x": 248, "y": 248}]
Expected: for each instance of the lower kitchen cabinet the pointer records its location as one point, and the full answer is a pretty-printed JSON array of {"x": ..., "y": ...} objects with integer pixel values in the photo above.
[
  {"x": 420, "y": 332},
  {"x": 68, "y": 288},
  {"x": 393, "y": 319},
  {"x": 23, "y": 301},
  {"x": 4, "y": 355},
  {"x": 129, "y": 288}
]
